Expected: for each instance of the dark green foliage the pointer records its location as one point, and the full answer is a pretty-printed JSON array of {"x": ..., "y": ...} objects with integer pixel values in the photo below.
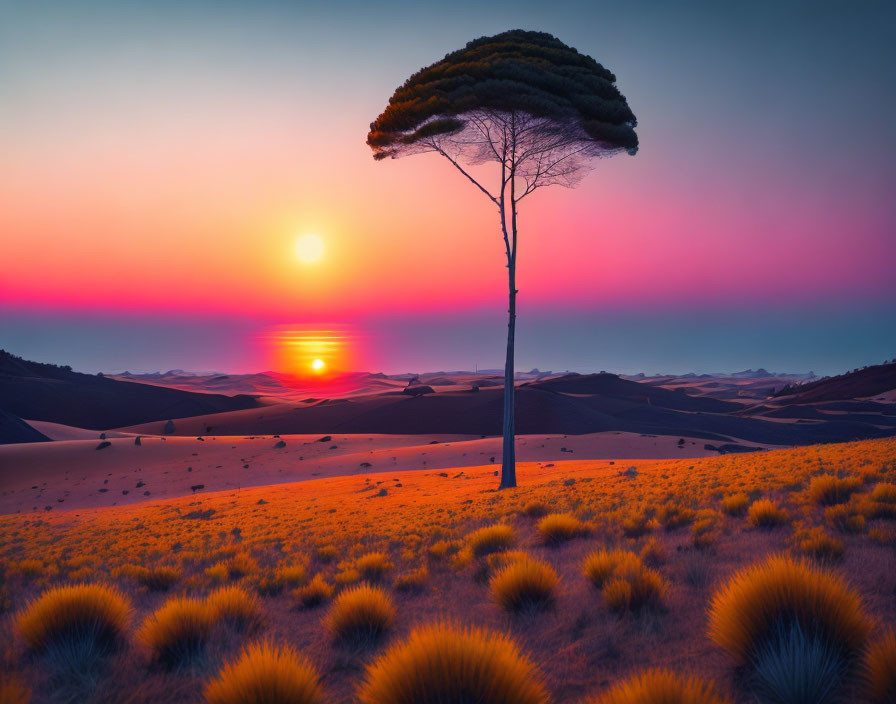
[{"x": 532, "y": 73}]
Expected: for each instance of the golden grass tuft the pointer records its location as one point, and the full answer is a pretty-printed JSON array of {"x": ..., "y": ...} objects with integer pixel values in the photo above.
[
  {"x": 884, "y": 493},
  {"x": 760, "y": 599},
  {"x": 446, "y": 663},
  {"x": 673, "y": 516},
  {"x": 736, "y": 504},
  {"x": 845, "y": 518},
  {"x": 626, "y": 584},
  {"x": 360, "y": 615},
  {"x": 829, "y": 490},
  {"x": 556, "y": 528},
  {"x": 266, "y": 674},
  {"x": 177, "y": 631},
  {"x": 819, "y": 545},
  {"x": 536, "y": 509},
  {"x": 660, "y": 687},
  {"x": 879, "y": 671},
  {"x": 491, "y": 539},
  {"x": 767, "y": 514},
  {"x": 524, "y": 584},
  {"x": 94, "y": 612},
  {"x": 236, "y": 607},
  {"x": 316, "y": 592},
  {"x": 291, "y": 576},
  {"x": 653, "y": 553},
  {"x": 411, "y": 581},
  {"x": 373, "y": 566},
  {"x": 599, "y": 566},
  {"x": 12, "y": 691}
]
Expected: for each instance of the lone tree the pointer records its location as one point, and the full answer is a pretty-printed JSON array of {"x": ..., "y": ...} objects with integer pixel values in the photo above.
[{"x": 527, "y": 101}]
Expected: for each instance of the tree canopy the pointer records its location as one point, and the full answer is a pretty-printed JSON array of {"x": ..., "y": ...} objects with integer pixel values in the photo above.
[{"x": 518, "y": 72}]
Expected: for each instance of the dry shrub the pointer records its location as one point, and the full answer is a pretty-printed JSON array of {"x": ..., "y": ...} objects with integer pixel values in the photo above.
[
  {"x": 316, "y": 592},
  {"x": 767, "y": 514},
  {"x": 347, "y": 576},
  {"x": 674, "y": 516},
  {"x": 704, "y": 529},
  {"x": 845, "y": 518},
  {"x": 491, "y": 539},
  {"x": 444, "y": 548},
  {"x": 625, "y": 582},
  {"x": 412, "y": 581},
  {"x": 736, "y": 504},
  {"x": 557, "y": 528},
  {"x": 660, "y": 687},
  {"x": 536, "y": 509},
  {"x": 524, "y": 584},
  {"x": 291, "y": 576},
  {"x": 236, "y": 607},
  {"x": 360, "y": 615},
  {"x": 653, "y": 553},
  {"x": 818, "y": 544},
  {"x": 373, "y": 566},
  {"x": 884, "y": 493},
  {"x": 879, "y": 670},
  {"x": 240, "y": 565},
  {"x": 217, "y": 572},
  {"x": 600, "y": 565},
  {"x": 28, "y": 568},
  {"x": 88, "y": 616},
  {"x": 877, "y": 509},
  {"x": 178, "y": 631},
  {"x": 12, "y": 691},
  {"x": 159, "y": 579},
  {"x": 829, "y": 490},
  {"x": 266, "y": 674},
  {"x": 326, "y": 553},
  {"x": 637, "y": 524},
  {"x": 758, "y": 601},
  {"x": 446, "y": 663}
]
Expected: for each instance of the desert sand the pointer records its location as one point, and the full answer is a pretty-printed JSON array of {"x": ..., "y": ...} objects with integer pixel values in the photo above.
[{"x": 71, "y": 473}]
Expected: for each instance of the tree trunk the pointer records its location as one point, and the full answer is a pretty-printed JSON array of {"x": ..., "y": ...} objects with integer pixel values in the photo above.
[{"x": 508, "y": 459}]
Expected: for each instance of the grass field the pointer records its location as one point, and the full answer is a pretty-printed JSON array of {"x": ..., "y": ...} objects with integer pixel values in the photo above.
[{"x": 588, "y": 574}]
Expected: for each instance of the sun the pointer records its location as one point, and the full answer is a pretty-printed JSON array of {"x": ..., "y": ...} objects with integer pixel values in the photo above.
[
  {"x": 318, "y": 365},
  {"x": 309, "y": 248}
]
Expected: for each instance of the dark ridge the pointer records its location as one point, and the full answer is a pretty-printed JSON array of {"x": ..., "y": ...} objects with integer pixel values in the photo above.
[{"x": 54, "y": 393}]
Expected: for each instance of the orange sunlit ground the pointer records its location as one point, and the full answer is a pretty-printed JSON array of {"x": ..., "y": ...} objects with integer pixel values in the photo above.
[{"x": 291, "y": 549}]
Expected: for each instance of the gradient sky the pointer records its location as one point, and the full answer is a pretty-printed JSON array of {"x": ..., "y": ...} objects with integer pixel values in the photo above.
[{"x": 159, "y": 160}]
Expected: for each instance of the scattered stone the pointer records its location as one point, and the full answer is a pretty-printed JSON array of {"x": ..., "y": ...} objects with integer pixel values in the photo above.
[
  {"x": 169, "y": 427},
  {"x": 137, "y": 440},
  {"x": 197, "y": 487},
  {"x": 103, "y": 445},
  {"x": 418, "y": 390},
  {"x": 326, "y": 438},
  {"x": 280, "y": 444}
]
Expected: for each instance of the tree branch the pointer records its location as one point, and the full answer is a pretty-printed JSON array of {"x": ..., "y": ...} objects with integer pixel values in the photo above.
[{"x": 472, "y": 180}]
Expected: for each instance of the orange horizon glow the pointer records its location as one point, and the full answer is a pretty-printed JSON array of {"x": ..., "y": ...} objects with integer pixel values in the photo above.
[{"x": 311, "y": 352}]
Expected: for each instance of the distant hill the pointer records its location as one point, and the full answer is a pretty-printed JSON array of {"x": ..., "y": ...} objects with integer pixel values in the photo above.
[
  {"x": 37, "y": 391},
  {"x": 861, "y": 383},
  {"x": 573, "y": 404}
]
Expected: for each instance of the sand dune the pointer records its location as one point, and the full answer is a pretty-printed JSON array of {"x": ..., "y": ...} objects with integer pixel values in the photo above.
[{"x": 74, "y": 474}]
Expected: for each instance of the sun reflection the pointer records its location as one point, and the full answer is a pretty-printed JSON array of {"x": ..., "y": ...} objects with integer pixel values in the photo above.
[{"x": 312, "y": 351}]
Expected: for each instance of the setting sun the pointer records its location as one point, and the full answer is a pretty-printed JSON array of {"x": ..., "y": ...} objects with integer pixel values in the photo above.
[
  {"x": 309, "y": 248},
  {"x": 318, "y": 365}
]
